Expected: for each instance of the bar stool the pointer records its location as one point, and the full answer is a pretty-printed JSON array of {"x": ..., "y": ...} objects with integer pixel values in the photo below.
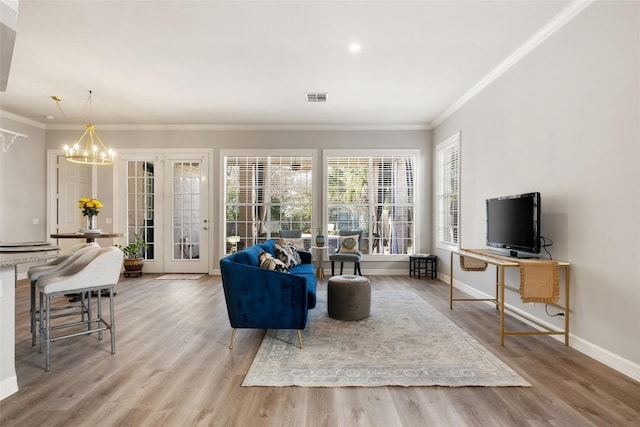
[
  {"x": 34, "y": 273},
  {"x": 96, "y": 270}
]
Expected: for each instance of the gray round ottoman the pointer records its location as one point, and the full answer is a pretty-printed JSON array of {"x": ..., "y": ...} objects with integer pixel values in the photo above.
[{"x": 349, "y": 297}]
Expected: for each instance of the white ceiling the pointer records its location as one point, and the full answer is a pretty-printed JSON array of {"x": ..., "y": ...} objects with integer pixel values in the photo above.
[{"x": 251, "y": 63}]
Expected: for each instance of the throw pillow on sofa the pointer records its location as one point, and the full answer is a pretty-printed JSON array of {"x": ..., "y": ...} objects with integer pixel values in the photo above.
[
  {"x": 287, "y": 253},
  {"x": 268, "y": 262},
  {"x": 349, "y": 244}
]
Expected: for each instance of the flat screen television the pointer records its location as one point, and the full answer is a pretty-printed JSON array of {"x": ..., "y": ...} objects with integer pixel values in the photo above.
[{"x": 513, "y": 224}]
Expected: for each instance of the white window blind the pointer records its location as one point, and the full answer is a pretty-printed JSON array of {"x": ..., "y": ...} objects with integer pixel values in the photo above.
[
  {"x": 375, "y": 194},
  {"x": 448, "y": 192},
  {"x": 266, "y": 194}
]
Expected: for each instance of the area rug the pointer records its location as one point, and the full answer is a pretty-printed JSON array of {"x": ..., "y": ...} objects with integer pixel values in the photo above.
[
  {"x": 404, "y": 342},
  {"x": 175, "y": 276}
]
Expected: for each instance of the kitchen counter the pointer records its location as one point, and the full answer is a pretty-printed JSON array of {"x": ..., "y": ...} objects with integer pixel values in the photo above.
[
  {"x": 11, "y": 256},
  {"x": 9, "y": 259}
]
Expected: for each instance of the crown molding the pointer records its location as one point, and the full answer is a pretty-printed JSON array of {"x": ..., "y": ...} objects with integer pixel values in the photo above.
[
  {"x": 553, "y": 25},
  {"x": 247, "y": 127},
  {"x": 21, "y": 119}
]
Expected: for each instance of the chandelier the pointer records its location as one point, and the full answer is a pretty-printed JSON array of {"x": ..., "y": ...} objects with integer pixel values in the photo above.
[{"x": 89, "y": 149}]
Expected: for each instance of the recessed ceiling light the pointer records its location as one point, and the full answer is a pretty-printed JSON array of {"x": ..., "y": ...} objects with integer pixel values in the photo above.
[
  {"x": 48, "y": 117},
  {"x": 355, "y": 47}
]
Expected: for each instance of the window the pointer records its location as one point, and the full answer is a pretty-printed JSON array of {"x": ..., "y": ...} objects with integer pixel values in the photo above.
[
  {"x": 448, "y": 193},
  {"x": 375, "y": 194},
  {"x": 266, "y": 194}
]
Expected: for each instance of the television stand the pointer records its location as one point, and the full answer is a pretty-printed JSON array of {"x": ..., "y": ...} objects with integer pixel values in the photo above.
[{"x": 503, "y": 262}]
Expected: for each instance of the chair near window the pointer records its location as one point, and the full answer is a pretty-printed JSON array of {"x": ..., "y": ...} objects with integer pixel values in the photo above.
[
  {"x": 294, "y": 237},
  {"x": 290, "y": 234},
  {"x": 348, "y": 251}
]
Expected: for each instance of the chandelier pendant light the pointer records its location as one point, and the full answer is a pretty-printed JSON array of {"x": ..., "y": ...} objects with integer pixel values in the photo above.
[{"x": 89, "y": 149}]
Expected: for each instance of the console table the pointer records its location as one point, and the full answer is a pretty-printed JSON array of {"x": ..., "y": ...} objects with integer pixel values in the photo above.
[{"x": 502, "y": 263}]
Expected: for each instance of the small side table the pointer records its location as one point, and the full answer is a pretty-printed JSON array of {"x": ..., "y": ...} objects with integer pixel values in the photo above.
[
  {"x": 320, "y": 251},
  {"x": 423, "y": 263}
]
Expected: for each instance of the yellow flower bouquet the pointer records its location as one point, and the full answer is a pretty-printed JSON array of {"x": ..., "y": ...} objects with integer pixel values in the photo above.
[{"x": 89, "y": 206}]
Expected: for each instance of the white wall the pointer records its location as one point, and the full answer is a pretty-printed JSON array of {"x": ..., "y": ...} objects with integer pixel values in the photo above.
[
  {"x": 22, "y": 184},
  {"x": 565, "y": 121}
]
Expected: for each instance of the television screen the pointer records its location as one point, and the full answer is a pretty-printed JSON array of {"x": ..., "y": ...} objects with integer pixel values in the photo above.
[{"x": 513, "y": 223}]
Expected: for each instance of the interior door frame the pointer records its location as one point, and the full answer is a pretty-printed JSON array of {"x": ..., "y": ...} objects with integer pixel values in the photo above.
[
  {"x": 52, "y": 191},
  {"x": 162, "y": 155}
]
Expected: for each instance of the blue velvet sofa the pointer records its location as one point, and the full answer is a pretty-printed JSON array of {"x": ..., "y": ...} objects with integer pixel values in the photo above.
[{"x": 258, "y": 298}]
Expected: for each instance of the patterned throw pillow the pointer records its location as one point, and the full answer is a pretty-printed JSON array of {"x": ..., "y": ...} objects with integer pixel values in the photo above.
[
  {"x": 349, "y": 244},
  {"x": 268, "y": 262},
  {"x": 288, "y": 254}
]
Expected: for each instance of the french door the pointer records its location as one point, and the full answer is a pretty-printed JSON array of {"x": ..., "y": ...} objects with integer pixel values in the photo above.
[{"x": 165, "y": 199}]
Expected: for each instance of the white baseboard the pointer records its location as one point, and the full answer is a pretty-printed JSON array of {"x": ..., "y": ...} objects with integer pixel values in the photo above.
[
  {"x": 620, "y": 364},
  {"x": 604, "y": 356},
  {"x": 8, "y": 386}
]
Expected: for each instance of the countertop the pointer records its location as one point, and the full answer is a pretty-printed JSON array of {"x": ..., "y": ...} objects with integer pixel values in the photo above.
[{"x": 14, "y": 254}]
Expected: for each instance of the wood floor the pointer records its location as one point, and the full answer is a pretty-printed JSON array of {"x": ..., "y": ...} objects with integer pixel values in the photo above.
[{"x": 173, "y": 368}]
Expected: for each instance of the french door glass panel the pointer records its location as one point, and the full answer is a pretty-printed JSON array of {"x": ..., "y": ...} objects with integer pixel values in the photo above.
[
  {"x": 186, "y": 231},
  {"x": 186, "y": 210},
  {"x": 141, "y": 185}
]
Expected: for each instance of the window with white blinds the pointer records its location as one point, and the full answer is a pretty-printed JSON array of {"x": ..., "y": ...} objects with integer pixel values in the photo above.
[
  {"x": 448, "y": 192},
  {"x": 374, "y": 194},
  {"x": 266, "y": 194}
]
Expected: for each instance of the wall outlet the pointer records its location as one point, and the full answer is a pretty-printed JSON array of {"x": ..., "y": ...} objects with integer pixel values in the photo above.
[
  {"x": 36, "y": 221},
  {"x": 108, "y": 221}
]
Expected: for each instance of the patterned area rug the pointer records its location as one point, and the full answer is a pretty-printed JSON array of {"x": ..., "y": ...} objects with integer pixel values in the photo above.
[
  {"x": 176, "y": 276},
  {"x": 404, "y": 342}
]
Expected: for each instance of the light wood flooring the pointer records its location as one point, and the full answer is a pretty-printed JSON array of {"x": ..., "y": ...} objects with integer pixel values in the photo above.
[{"x": 173, "y": 368}]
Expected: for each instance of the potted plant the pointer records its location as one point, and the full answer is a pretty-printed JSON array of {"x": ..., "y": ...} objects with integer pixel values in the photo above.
[{"x": 134, "y": 254}]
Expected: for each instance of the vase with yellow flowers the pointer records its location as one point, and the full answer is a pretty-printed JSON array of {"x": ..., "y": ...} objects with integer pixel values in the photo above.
[{"x": 90, "y": 209}]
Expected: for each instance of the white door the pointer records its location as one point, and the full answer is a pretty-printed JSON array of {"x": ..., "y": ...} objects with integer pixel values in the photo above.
[
  {"x": 186, "y": 230},
  {"x": 164, "y": 197},
  {"x": 73, "y": 182}
]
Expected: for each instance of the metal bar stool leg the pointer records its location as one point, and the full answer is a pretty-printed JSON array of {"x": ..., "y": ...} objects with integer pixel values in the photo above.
[
  {"x": 48, "y": 334},
  {"x": 41, "y": 320},
  {"x": 33, "y": 313},
  {"x": 89, "y": 313},
  {"x": 99, "y": 315},
  {"x": 112, "y": 325}
]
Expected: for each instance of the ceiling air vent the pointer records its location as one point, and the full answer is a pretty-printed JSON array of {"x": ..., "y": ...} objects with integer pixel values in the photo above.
[{"x": 316, "y": 97}]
